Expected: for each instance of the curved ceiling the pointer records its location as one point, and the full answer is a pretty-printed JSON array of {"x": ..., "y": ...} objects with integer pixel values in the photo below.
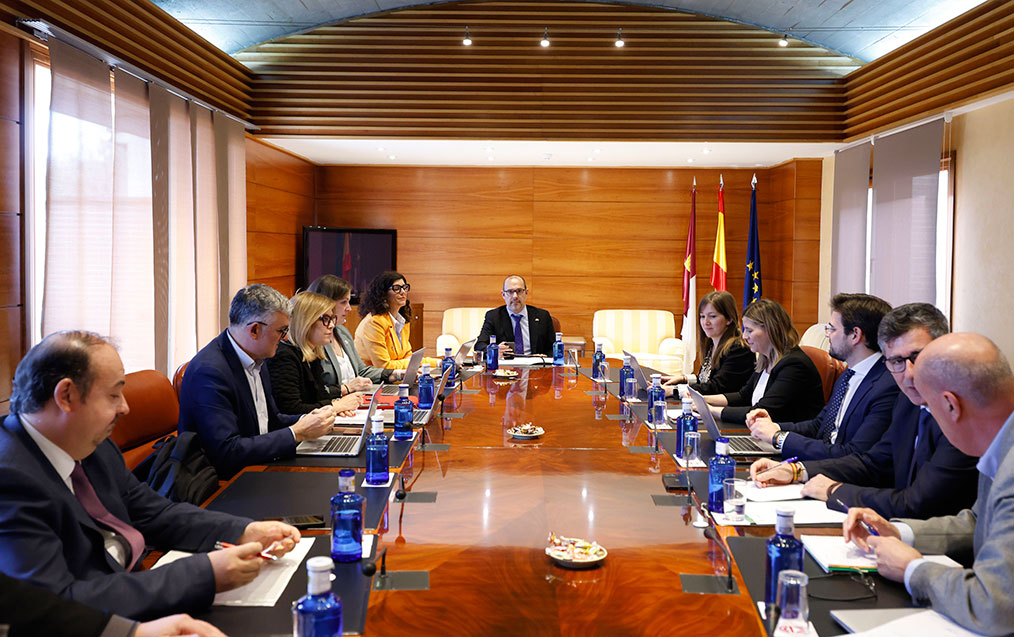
[{"x": 863, "y": 29}]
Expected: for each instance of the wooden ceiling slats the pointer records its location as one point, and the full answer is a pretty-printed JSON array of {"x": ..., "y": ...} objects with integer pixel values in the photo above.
[{"x": 406, "y": 73}]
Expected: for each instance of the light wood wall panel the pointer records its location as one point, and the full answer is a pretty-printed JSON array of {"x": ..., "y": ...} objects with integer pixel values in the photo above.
[
  {"x": 12, "y": 264},
  {"x": 280, "y": 201},
  {"x": 958, "y": 62},
  {"x": 405, "y": 73},
  {"x": 146, "y": 36},
  {"x": 585, "y": 239}
]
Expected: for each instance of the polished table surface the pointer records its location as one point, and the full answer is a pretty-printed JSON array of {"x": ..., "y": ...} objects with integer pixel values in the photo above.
[{"x": 482, "y": 541}]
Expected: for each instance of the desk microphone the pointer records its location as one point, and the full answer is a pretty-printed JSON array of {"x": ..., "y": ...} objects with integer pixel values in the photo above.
[
  {"x": 712, "y": 535},
  {"x": 369, "y": 568},
  {"x": 400, "y": 493}
]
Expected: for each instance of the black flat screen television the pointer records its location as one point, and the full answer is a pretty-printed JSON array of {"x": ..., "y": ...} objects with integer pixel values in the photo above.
[{"x": 355, "y": 254}]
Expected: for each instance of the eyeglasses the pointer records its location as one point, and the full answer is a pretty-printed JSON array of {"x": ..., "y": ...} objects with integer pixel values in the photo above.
[
  {"x": 897, "y": 364},
  {"x": 398, "y": 288},
  {"x": 829, "y": 329},
  {"x": 843, "y": 592},
  {"x": 282, "y": 331},
  {"x": 328, "y": 320},
  {"x": 515, "y": 292}
]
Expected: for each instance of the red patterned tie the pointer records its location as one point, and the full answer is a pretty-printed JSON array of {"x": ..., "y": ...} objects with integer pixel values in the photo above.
[{"x": 90, "y": 501}]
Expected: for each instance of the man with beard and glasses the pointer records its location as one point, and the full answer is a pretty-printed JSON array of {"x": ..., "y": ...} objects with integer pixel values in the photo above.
[{"x": 859, "y": 410}]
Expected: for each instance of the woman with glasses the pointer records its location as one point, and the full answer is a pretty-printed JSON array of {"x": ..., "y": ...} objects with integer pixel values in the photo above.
[
  {"x": 785, "y": 381},
  {"x": 342, "y": 366},
  {"x": 297, "y": 370},
  {"x": 726, "y": 361},
  {"x": 382, "y": 337}
]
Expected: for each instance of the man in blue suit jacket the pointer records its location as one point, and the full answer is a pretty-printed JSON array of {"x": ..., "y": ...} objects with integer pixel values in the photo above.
[
  {"x": 914, "y": 470},
  {"x": 74, "y": 520},
  {"x": 859, "y": 410},
  {"x": 226, "y": 395}
]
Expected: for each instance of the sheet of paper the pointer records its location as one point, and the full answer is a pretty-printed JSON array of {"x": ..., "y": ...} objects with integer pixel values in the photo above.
[
  {"x": 927, "y": 622},
  {"x": 269, "y": 584},
  {"x": 661, "y": 427},
  {"x": 696, "y": 464},
  {"x": 368, "y": 541},
  {"x": 390, "y": 479},
  {"x": 358, "y": 419},
  {"x": 773, "y": 494},
  {"x": 524, "y": 361},
  {"x": 832, "y": 551},
  {"x": 811, "y": 632},
  {"x": 806, "y": 512}
]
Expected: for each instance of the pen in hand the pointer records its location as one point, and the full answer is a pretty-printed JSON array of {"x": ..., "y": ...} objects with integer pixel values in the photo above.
[
  {"x": 869, "y": 529},
  {"x": 263, "y": 554},
  {"x": 783, "y": 462}
]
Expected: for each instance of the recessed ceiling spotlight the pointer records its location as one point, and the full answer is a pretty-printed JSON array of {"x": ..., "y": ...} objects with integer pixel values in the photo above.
[
  {"x": 392, "y": 157},
  {"x": 489, "y": 149},
  {"x": 784, "y": 41},
  {"x": 591, "y": 159},
  {"x": 380, "y": 149},
  {"x": 690, "y": 160},
  {"x": 706, "y": 150},
  {"x": 619, "y": 38},
  {"x": 490, "y": 158},
  {"x": 545, "y": 38},
  {"x": 547, "y": 156},
  {"x": 468, "y": 40},
  {"x": 598, "y": 150}
]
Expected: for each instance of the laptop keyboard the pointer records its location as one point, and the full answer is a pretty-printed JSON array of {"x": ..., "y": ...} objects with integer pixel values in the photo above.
[
  {"x": 742, "y": 443},
  {"x": 419, "y": 417},
  {"x": 389, "y": 390},
  {"x": 340, "y": 444}
]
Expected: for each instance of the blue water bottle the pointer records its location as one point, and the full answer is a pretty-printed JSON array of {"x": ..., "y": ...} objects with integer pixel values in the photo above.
[
  {"x": 558, "y": 350},
  {"x": 720, "y": 467},
  {"x": 492, "y": 355},
  {"x": 346, "y": 519},
  {"x": 686, "y": 422},
  {"x": 377, "y": 467},
  {"x": 784, "y": 552},
  {"x": 403, "y": 414},
  {"x": 656, "y": 393},
  {"x": 597, "y": 359},
  {"x": 319, "y": 612},
  {"x": 625, "y": 372},
  {"x": 448, "y": 363},
  {"x": 425, "y": 387}
]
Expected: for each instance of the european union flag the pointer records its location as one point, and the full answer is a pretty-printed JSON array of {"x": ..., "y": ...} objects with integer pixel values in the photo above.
[{"x": 752, "y": 288}]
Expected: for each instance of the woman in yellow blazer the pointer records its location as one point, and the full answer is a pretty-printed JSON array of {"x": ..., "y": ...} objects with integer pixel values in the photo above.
[{"x": 382, "y": 337}]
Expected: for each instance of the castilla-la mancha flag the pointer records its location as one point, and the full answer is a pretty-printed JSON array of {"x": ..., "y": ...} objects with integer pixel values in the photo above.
[
  {"x": 689, "y": 331},
  {"x": 718, "y": 268}
]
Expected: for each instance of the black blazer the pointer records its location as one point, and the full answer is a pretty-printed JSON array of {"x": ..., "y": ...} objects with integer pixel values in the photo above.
[
  {"x": 216, "y": 403},
  {"x": 944, "y": 482},
  {"x": 30, "y": 610},
  {"x": 499, "y": 323},
  {"x": 794, "y": 391},
  {"x": 733, "y": 371},
  {"x": 863, "y": 425},
  {"x": 298, "y": 387}
]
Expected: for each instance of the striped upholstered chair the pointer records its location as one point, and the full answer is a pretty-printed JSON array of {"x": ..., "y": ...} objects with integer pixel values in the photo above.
[
  {"x": 650, "y": 335},
  {"x": 460, "y": 324}
]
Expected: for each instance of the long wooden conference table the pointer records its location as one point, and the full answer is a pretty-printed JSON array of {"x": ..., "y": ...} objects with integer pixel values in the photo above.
[{"x": 481, "y": 505}]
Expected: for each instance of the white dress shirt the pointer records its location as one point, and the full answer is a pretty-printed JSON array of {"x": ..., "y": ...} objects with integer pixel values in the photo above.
[
  {"x": 252, "y": 369},
  {"x": 861, "y": 369},
  {"x": 114, "y": 543},
  {"x": 760, "y": 387}
]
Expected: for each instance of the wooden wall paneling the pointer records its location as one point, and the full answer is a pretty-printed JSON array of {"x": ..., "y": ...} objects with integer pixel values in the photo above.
[
  {"x": 272, "y": 167},
  {"x": 430, "y": 218},
  {"x": 410, "y": 183},
  {"x": 274, "y": 255},
  {"x": 562, "y": 256},
  {"x": 278, "y": 211},
  {"x": 284, "y": 284},
  {"x": 10, "y": 350},
  {"x": 10, "y": 165},
  {"x": 10, "y": 260},
  {"x": 626, "y": 221},
  {"x": 10, "y": 82},
  {"x": 448, "y": 255}
]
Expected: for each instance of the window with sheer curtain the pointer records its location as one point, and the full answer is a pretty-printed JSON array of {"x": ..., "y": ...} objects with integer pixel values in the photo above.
[{"x": 138, "y": 213}]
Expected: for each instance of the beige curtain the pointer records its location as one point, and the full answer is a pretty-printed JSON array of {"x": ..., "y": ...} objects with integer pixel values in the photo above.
[
  {"x": 146, "y": 216},
  {"x": 848, "y": 232}
]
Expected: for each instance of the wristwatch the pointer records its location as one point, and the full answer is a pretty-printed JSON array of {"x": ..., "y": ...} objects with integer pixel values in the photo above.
[{"x": 779, "y": 439}]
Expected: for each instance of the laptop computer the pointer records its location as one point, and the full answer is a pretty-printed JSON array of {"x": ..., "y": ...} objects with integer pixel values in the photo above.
[
  {"x": 642, "y": 380},
  {"x": 391, "y": 389},
  {"x": 339, "y": 444},
  {"x": 738, "y": 445},
  {"x": 421, "y": 417}
]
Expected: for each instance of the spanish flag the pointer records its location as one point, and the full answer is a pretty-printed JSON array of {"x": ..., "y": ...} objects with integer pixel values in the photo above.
[{"x": 718, "y": 268}]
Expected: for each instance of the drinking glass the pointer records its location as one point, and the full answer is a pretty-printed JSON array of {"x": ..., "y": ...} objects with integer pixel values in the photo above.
[
  {"x": 734, "y": 491},
  {"x": 691, "y": 447},
  {"x": 791, "y": 599}
]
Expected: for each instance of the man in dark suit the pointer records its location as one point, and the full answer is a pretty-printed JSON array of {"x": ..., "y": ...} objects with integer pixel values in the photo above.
[
  {"x": 528, "y": 327},
  {"x": 226, "y": 393},
  {"x": 914, "y": 470},
  {"x": 859, "y": 410},
  {"x": 74, "y": 520},
  {"x": 28, "y": 611}
]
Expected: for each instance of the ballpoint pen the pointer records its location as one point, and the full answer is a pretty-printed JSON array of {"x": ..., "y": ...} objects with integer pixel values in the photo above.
[
  {"x": 869, "y": 529},
  {"x": 228, "y": 545},
  {"x": 783, "y": 462}
]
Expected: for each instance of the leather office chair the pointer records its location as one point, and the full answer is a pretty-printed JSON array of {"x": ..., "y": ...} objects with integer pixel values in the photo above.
[
  {"x": 828, "y": 368},
  {"x": 460, "y": 324},
  {"x": 178, "y": 379},
  {"x": 154, "y": 413},
  {"x": 816, "y": 336}
]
